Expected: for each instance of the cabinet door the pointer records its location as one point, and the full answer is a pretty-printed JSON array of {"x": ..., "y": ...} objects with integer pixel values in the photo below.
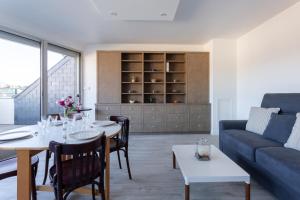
[
  {"x": 200, "y": 118},
  {"x": 197, "y": 78},
  {"x": 134, "y": 114},
  {"x": 109, "y": 77},
  {"x": 154, "y": 118}
]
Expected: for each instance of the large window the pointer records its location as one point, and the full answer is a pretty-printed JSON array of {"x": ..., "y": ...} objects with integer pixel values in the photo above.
[{"x": 22, "y": 67}]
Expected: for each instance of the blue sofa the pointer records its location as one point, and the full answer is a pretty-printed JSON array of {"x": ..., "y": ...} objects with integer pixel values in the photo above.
[{"x": 275, "y": 167}]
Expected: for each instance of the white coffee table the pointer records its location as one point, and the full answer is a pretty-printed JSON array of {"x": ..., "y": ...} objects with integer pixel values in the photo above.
[{"x": 219, "y": 169}]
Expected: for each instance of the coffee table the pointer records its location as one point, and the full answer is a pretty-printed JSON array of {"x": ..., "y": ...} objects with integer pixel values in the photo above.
[{"x": 219, "y": 169}]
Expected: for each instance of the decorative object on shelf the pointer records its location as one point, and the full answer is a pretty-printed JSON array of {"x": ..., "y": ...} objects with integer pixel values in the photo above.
[
  {"x": 154, "y": 70},
  {"x": 132, "y": 101},
  {"x": 175, "y": 91},
  {"x": 133, "y": 79},
  {"x": 69, "y": 105},
  {"x": 167, "y": 66},
  {"x": 175, "y": 81},
  {"x": 154, "y": 80},
  {"x": 152, "y": 100},
  {"x": 203, "y": 150},
  {"x": 153, "y": 91},
  {"x": 176, "y": 101}
]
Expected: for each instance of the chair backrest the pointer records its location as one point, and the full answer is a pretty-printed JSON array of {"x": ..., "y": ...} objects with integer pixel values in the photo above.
[
  {"x": 86, "y": 164},
  {"x": 289, "y": 103},
  {"x": 124, "y": 122}
]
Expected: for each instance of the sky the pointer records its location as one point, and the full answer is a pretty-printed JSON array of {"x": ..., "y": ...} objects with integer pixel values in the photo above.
[{"x": 20, "y": 63}]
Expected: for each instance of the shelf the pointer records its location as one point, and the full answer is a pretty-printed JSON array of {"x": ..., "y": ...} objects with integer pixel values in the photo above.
[
  {"x": 179, "y": 93},
  {"x": 154, "y": 61},
  {"x": 131, "y": 82},
  {"x": 176, "y": 72},
  {"x": 154, "y": 93},
  {"x": 154, "y": 71},
  {"x": 175, "y": 82},
  {"x": 132, "y": 71},
  {"x": 131, "y": 93},
  {"x": 138, "y": 61},
  {"x": 154, "y": 82},
  {"x": 176, "y": 61}
]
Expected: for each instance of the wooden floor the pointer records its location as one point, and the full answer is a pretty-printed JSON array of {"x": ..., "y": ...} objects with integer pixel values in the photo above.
[{"x": 153, "y": 176}]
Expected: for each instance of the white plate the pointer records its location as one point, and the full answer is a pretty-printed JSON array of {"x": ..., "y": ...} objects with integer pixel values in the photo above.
[
  {"x": 84, "y": 135},
  {"x": 103, "y": 123},
  {"x": 13, "y": 135}
]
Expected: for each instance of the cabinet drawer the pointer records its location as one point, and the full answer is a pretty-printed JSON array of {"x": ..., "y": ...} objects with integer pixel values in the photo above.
[
  {"x": 131, "y": 108},
  {"x": 177, "y": 118},
  {"x": 177, "y": 109},
  {"x": 200, "y": 125},
  {"x": 154, "y": 117},
  {"x": 176, "y": 127},
  {"x": 154, "y": 126},
  {"x": 135, "y": 127},
  {"x": 154, "y": 109}
]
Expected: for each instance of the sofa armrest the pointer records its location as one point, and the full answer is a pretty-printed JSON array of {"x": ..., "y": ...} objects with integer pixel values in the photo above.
[
  {"x": 227, "y": 125},
  {"x": 232, "y": 124}
]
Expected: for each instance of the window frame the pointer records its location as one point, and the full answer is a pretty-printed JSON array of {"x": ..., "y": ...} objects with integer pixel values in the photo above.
[{"x": 44, "y": 46}]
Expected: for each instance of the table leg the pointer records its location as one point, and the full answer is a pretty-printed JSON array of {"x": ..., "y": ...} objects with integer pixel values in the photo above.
[
  {"x": 107, "y": 169},
  {"x": 23, "y": 175},
  {"x": 174, "y": 161},
  {"x": 187, "y": 192},
  {"x": 247, "y": 191}
]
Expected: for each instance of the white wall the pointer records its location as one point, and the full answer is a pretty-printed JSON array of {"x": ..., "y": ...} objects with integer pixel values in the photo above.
[
  {"x": 222, "y": 80},
  {"x": 90, "y": 62},
  {"x": 7, "y": 110},
  {"x": 269, "y": 60}
]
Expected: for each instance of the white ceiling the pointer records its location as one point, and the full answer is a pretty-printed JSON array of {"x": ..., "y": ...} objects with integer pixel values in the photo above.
[
  {"x": 77, "y": 23},
  {"x": 137, "y": 10}
]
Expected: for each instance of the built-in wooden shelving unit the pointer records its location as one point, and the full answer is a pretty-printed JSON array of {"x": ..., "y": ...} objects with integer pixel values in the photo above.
[{"x": 153, "y": 77}]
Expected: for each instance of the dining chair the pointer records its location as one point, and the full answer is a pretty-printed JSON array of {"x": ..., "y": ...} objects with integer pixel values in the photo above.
[
  {"x": 48, "y": 154},
  {"x": 120, "y": 142},
  {"x": 86, "y": 164},
  {"x": 8, "y": 168}
]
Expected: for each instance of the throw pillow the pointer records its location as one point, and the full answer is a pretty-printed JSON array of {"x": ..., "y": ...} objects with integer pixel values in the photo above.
[
  {"x": 280, "y": 127},
  {"x": 294, "y": 139},
  {"x": 259, "y": 119}
]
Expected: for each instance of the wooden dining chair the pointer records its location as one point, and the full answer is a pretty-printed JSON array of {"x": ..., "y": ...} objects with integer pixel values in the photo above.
[
  {"x": 120, "y": 142},
  {"x": 8, "y": 168},
  {"x": 87, "y": 164}
]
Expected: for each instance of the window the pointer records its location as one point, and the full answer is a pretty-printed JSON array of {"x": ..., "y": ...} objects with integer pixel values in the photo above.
[{"x": 21, "y": 78}]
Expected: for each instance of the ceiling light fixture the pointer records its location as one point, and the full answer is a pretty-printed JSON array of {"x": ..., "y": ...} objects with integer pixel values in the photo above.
[{"x": 114, "y": 14}]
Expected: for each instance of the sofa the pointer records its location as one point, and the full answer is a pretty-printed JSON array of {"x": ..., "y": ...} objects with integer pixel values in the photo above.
[{"x": 275, "y": 167}]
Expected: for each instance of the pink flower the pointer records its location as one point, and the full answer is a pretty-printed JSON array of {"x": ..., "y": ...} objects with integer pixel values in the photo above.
[{"x": 61, "y": 102}]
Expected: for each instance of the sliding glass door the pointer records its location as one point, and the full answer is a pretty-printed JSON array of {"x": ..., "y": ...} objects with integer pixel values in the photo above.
[
  {"x": 63, "y": 76},
  {"x": 33, "y": 76},
  {"x": 19, "y": 80}
]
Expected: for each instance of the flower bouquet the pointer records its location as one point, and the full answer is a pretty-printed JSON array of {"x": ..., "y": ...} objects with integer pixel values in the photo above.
[{"x": 69, "y": 105}]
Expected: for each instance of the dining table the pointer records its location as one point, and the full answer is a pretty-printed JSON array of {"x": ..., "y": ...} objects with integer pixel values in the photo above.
[{"x": 38, "y": 141}]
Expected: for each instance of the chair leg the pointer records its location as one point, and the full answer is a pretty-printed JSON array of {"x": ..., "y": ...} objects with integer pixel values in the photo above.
[
  {"x": 101, "y": 190},
  {"x": 48, "y": 155},
  {"x": 127, "y": 162},
  {"x": 33, "y": 184},
  {"x": 119, "y": 159},
  {"x": 93, "y": 191}
]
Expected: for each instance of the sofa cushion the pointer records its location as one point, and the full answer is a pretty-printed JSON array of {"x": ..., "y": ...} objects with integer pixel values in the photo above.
[
  {"x": 279, "y": 127},
  {"x": 259, "y": 119},
  {"x": 246, "y": 142},
  {"x": 294, "y": 139},
  {"x": 283, "y": 163}
]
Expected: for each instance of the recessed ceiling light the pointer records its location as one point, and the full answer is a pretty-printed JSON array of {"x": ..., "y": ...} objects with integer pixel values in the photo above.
[
  {"x": 163, "y": 14},
  {"x": 114, "y": 13}
]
